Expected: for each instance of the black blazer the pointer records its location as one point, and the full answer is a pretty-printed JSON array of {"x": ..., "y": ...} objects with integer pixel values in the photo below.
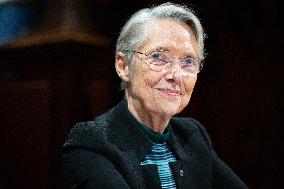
[{"x": 107, "y": 152}]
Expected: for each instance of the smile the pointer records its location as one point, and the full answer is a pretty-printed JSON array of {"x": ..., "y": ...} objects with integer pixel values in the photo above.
[{"x": 170, "y": 92}]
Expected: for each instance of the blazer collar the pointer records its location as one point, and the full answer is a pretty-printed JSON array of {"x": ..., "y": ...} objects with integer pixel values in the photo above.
[
  {"x": 127, "y": 134},
  {"x": 130, "y": 137}
]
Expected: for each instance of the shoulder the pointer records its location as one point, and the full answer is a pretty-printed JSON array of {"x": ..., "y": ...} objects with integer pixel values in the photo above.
[
  {"x": 190, "y": 128},
  {"x": 90, "y": 134}
]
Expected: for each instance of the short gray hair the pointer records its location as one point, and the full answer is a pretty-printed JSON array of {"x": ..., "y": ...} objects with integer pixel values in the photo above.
[{"x": 135, "y": 30}]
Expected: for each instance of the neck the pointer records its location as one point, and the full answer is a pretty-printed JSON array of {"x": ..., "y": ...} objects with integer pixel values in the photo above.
[{"x": 151, "y": 119}]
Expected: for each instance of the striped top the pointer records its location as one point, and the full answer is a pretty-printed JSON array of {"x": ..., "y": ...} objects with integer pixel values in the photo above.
[{"x": 161, "y": 155}]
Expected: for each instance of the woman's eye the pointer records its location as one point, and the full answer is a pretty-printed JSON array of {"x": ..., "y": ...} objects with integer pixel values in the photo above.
[
  {"x": 189, "y": 61},
  {"x": 155, "y": 56}
]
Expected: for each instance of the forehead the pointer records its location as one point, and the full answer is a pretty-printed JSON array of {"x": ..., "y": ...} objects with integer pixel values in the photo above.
[{"x": 169, "y": 34}]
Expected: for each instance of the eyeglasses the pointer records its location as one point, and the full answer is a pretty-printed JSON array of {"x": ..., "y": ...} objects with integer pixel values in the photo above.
[{"x": 161, "y": 60}]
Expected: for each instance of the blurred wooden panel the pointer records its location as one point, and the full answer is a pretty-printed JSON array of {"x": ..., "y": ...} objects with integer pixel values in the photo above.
[
  {"x": 101, "y": 97},
  {"x": 25, "y": 124}
]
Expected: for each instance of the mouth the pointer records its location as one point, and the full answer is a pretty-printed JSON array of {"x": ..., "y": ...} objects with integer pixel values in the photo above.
[{"x": 170, "y": 92}]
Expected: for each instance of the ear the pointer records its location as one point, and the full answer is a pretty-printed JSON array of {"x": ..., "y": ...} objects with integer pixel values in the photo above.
[{"x": 121, "y": 66}]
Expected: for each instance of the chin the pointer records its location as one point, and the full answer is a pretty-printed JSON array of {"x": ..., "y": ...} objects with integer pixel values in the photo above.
[{"x": 169, "y": 108}]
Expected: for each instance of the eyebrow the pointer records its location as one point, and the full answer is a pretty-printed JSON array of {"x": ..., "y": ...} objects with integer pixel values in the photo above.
[
  {"x": 167, "y": 49},
  {"x": 162, "y": 49}
]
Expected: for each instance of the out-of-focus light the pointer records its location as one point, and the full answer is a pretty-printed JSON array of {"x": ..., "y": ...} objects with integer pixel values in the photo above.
[{"x": 16, "y": 19}]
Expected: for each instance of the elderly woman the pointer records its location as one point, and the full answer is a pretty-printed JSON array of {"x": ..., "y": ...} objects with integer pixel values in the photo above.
[{"x": 139, "y": 144}]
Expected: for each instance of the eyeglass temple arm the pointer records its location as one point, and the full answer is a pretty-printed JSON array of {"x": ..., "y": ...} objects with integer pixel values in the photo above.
[{"x": 135, "y": 52}]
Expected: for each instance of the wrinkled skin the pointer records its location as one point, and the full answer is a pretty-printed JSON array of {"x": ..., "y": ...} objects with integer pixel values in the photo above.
[{"x": 154, "y": 97}]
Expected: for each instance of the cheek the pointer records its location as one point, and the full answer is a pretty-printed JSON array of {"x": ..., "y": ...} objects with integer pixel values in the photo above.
[
  {"x": 143, "y": 84},
  {"x": 189, "y": 86},
  {"x": 149, "y": 79},
  {"x": 189, "y": 89}
]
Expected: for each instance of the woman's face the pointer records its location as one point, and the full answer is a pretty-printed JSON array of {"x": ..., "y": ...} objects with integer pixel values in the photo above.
[{"x": 166, "y": 92}]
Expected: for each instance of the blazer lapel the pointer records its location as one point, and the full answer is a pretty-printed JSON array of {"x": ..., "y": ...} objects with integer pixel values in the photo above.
[{"x": 193, "y": 167}]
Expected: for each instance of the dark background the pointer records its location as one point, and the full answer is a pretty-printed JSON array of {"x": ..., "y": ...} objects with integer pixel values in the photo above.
[{"x": 57, "y": 68}]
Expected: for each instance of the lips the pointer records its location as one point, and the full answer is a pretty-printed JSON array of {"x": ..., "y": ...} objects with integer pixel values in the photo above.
[{"x": 170, "y": 92}]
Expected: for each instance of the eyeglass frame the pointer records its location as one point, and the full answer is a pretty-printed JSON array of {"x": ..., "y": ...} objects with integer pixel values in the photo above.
[{"x": 186, "y": 74}]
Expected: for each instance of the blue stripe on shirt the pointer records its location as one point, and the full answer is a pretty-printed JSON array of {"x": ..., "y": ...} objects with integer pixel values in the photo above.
[{"x": 161, "y": 155}]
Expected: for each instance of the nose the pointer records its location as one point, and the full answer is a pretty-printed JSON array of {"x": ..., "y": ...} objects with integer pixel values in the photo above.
[{"x": 174, "y": 72}]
